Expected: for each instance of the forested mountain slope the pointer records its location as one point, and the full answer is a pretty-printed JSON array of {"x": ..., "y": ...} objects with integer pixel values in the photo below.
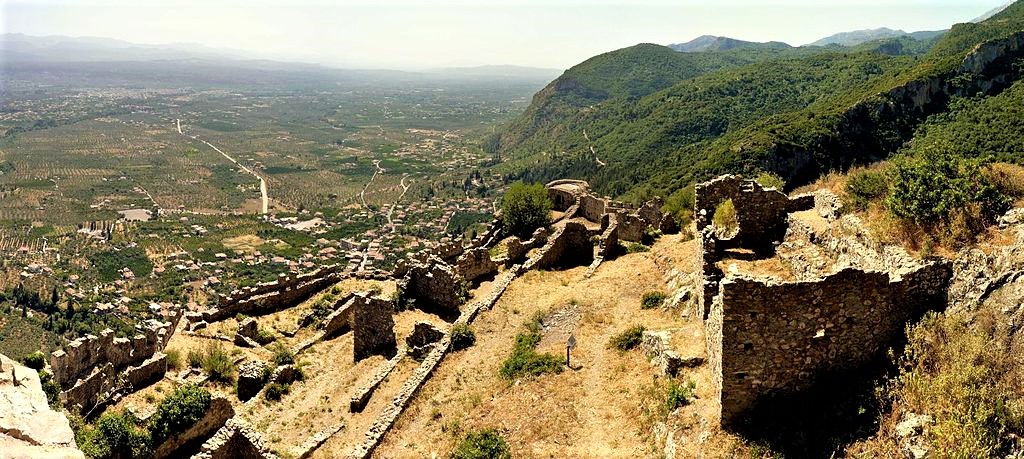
[{"x": 797, "y": 112}]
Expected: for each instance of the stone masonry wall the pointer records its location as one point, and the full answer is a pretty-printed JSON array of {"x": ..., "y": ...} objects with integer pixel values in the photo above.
[
  {"x": 373, "y": 327},
  {"x": 760, "y": 213},
  {"x": 288, "y": 292},
  {"x": 766, "y": 337}
]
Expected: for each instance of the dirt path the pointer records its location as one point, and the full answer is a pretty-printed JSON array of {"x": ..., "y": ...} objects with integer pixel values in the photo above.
[
  {"x": 591, "y": 410},
  {"x": 391, "y": 211},
  {"x": 264, "y": 191}
]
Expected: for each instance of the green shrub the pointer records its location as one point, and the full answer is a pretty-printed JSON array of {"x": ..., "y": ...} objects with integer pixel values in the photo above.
[
  {"x": 679, "y": 394},
  {"x": 929, "y": 186},
  {"x": 652, "y": 300},
  {"x": 50, "y": 388},
  {"x": 483, "y": 444},
  {"x": 770, "y": 180},
  {"x": 174, "y": 359},
  {"x": 680, "y": 205},
  {"x": 525, "y": 360},
  {"x": 275, "y": 391},
  {"x": 963, "y": 373},
  {"x": 178, "y": 411},
  {"x": 864, "y": 187},
  {"x": 218, "y": 364},
  {"x": 195, "y": 358},
  {"x": 35, "y": 360},
  {"x": 628, "y": 339},
  {"x": 636, "y": 247},
  {"x": 462, "y": 337},
  {"x": 264, "y": 336},
  {"x": 283, "y": 355},
  {"x": 724, "y": 218},
  {"x": 115, "y": 436},
  {"x": 525, "y": 208}
]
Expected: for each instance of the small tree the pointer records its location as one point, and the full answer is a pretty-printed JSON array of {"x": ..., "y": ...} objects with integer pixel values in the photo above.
[
  {"x": 179, "y": 411},
  {"x": 483, "y": 444},
  {"x": 525, "y": 208}
]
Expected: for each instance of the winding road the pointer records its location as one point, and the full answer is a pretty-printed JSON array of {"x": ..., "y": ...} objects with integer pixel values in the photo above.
[{"x": 264, "y": 192}]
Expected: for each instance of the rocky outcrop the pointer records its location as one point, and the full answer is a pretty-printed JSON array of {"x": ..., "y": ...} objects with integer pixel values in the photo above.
[{"x": 28, "y": 427}]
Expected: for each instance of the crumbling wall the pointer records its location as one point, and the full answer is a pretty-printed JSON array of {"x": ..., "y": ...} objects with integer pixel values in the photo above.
[
  {"x": 476, "y": 263},
  {"x": 591, "y": 208},
  {"x": 565, "y": 193},
  {"x": 235, "y": 440},
  {"x": 766, "y": 337},
  {"x": 373, "y": 327},
  {"x": 760, "y": 213},
  {"x": 435, "y": 287},
  {"x": 569, "y": 246},
  {"x": 216, "y": 416},
  {"x": 288, "y": 292}
]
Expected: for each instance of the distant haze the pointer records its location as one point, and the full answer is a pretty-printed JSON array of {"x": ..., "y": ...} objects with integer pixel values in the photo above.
[{"x": 436, "y": 34}]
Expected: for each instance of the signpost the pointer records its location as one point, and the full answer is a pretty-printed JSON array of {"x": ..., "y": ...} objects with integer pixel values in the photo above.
[{"x": 569, "y": 345}]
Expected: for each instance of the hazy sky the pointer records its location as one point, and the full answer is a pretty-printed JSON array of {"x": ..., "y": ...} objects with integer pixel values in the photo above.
[{"x": 440, "y": 33}]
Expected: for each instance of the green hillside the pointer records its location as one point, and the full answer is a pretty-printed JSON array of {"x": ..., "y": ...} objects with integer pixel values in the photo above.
[{"x": 798, "y": 112}]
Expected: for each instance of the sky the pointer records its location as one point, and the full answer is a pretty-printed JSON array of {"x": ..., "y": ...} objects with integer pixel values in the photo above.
[{"x": 404, "y": 34}]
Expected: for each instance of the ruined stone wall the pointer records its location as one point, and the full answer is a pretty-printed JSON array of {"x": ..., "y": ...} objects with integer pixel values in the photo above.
[
  {"x": 476, "y": 263},
  {"x": 235, "y": 440},
  {"x": 565, "y": 193},
  {"x": 434, "y": 286},
  {"x": 768, "y": 337},
  {"x": 591, "y": 208},
  {"x": 287, "y": 293},
  {"x": 760, "y": 213},
  {"x": 569, "y": 246},
  {"x": 81, "y": 356},
  {"x": 216, "y": 415},
  {"x": 373, "y": 327}
]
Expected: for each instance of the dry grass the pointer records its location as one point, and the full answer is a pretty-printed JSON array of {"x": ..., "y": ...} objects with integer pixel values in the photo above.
[{"x": 592, "y": 410}]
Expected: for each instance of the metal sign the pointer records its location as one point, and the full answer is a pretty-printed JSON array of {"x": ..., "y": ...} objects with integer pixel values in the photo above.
[{"x": 571, "y": 344}]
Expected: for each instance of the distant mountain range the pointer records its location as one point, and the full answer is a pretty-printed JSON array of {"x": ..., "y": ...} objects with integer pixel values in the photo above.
[
  {"x": 713, "y": 43},
  {"x": 109, "y": 60},
  {"x": 857, "y": 37}
]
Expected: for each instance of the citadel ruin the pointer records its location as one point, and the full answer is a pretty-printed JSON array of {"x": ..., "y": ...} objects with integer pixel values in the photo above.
[{"x": 797, "y": 290}]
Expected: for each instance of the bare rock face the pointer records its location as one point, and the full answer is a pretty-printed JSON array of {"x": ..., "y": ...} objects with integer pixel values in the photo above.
[
  {"x": 251, "y": 377},
  {"x": 28, "y": 427}
]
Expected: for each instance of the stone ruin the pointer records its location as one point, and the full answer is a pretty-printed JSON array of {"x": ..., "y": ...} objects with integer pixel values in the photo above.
[
  {"x": 841, "y": 303},
  {"x": 93, "y": 370},
  {"x": 269, "y": 297},
  {"x": 574, "y": 200},
  {"x": 373, "y": 327}
]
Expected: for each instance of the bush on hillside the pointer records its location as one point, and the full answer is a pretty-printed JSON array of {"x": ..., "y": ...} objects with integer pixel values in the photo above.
[
  {"x": 483, "y": 444},
  {"x": 115, "y": 436},
  {"x": 680, "y": 394},
  {"x": 218, "y": 364},
  {"x": 525, "y": 208},
  {"x": 462, "y": 337},
  {"x": 770, "y": 180},
  {"x": 652, "y": 300},
  {"x": 961, "y": 372},
  {"x": 35, "y": 360},
  {"x": 275, "y": 391},
  {"x": 864, "y": 187},
  {"x": 679, "y": 204},
  {"x": 628, "y": 339},
  {"x": 283, "y": 355},
  {"x": 525, "y": 360},
  {"x": 930, "y": 186},
  {"x": 178, "y": 411}
]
